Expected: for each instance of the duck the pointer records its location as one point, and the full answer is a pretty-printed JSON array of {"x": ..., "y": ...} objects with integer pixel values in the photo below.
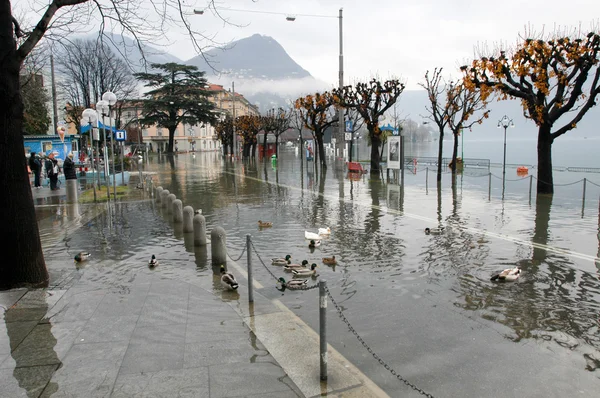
[
  {"x": 81, "y": 257},
  {"x": 153, "y": 262},
  {"x": 292, "y": 284},
  {"x": 508, "y": 275},
  {"x": 305, "y": 272},
  {"x": 198, "y": 211},
  {"x": 434, "y": 231},
  {"x": 311, "y": 236},
  {"x": 314, "y": 243},
  {"x": 281, "y": 261},
  {"x": 325, "y": 231},
  {"x": 228, "y": 280},
  {"x": 291, "y": 267},
  {"x": 329, "y": 260},
  {"x": 264, "y": 224}
]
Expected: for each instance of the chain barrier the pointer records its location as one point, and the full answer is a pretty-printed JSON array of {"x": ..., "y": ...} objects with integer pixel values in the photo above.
[
  {"x": 593, "y": 183},
  {"x": 507, "y": 179},
  {"x": 370, "y": 350},
  {"x": 237, "y": 259},
  {"x": 316, "y": 285},
  {"x": 562, "y": 185}
]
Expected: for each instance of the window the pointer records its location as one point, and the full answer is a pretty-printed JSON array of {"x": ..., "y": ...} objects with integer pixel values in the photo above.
[{"x": 46, "y": 146}]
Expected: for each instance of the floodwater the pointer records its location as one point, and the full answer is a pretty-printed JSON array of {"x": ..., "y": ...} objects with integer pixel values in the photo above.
[{"x": 424, "y": 304}]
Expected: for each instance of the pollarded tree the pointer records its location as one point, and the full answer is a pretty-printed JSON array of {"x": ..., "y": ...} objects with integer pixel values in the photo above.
[
  {"x": 451, "y": 105},
  {"x": 550, "y": 77},
  {"x": 371, "y": 100},
  {"x": 248, "y": 127},
  {"x": 224, "y": 130},
  {"x": 317, "y": 113},
  {"x": 178, "y": 96},
  {"x": 276, "y": 122}
]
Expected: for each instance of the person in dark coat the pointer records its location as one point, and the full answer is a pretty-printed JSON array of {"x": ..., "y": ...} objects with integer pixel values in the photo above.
[
  {"x": 36, "y": 168},
  {"x": 69, "y": 168},
  {"x": 52, "y": 171}
]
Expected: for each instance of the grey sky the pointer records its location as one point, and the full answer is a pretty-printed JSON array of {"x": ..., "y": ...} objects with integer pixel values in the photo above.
[{"x": 385, "y": 38}]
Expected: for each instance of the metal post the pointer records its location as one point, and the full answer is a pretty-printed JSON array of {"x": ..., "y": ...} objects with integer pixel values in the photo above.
[
  {"x": 92, "y": 159},
  {"x": 504, "y": 161},
  {"x": 323, "y": 328},
  {"x": 105, "y": 164},
  {"x": 583, "y": 199},
  {"x": 530, "y": 186},
  {"x": 112, "y": 149},
  {"x": 426, "y": 178},
  {"x": 54, "y": 101},
  {"x": 402, "y": 158},
  {"x": 122, "y": 165},
  {"x": 249, "y": 259},
  {"x": 235, "y": 141},
  {"x": 341, "y": 81},
  {"x": 490, "y": 187}
]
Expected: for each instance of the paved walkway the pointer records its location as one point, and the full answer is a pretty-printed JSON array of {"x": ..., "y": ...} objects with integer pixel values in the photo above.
[{"x": 143, "y": 333}]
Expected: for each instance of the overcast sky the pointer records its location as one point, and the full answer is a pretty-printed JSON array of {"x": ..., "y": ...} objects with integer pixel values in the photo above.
[
  {"x": 384, "y": 38},
  {"x": 391, "y": 38}
]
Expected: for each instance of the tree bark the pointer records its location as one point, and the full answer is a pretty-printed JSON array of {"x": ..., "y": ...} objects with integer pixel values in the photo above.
[
  {"x": 23, "y": 264},
  {"x": 321, "y": 147},
  {"x": 264, "y": 149},
  {"x": 545, "y": 182},
  {"x": 440, "y": 149},
  {"x": 171, "y": 140},
  {"x": 375, "y": 166},
  {"x": 454, "y": 154}
]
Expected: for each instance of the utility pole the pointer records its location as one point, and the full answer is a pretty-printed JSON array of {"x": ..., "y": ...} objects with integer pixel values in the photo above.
[
  {"x": 235, "y": 141},
  {"x": 341, "y": 122},
  {"x": 54, "y": 100}
]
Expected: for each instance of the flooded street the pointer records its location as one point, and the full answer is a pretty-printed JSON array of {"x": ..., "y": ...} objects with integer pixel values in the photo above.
[{"x": 423, "y": 303}]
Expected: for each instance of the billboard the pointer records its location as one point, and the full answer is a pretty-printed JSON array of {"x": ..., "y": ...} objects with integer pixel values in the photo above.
[{"x": 393, "y": 154}]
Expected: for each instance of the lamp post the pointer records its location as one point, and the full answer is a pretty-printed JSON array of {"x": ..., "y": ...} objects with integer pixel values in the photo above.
[
  {"x": 102, "y": 107},
  {"x": 90, "y": 117},
  {"x": 505, "y": 123},
  {"x": 111, "y": 99},
  {"x": 402, "y": 157}
]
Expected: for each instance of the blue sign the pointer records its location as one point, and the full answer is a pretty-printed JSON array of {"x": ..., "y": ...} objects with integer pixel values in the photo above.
[
  {"x": 349, "y": 125},
  {"x": 120, "y": 135}
]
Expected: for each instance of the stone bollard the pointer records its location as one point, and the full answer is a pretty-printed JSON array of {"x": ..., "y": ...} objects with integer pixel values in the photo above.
[
  {"x": 72, "y": 187},
  {"x": 163, "y": 197},
  {"x": 177, "y": 211},
  {"x": 170, "y": 199},
  {"x": 158, "y": 192},
  {"x": 199, "y": 230},
  {"x": 188, "y": 219},
  {"x": 218, "y": 248}
]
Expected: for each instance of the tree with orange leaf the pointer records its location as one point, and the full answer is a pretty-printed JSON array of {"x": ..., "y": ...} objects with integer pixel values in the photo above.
[
  {"x": 550, "y": 77},
  {"x": 276, "y": 122},
  {"x": 451, "y": 105},
  {"x": 318, "y": 114},
  {"x": 224, "y": 130},
  {"x": 371, "y": 100},
  {"x": 248, "y": 127}
]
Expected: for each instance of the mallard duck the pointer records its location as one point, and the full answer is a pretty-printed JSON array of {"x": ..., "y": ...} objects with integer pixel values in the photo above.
[
  {"x": 281, "y": 261},
  {"x": 329, "y": 260},
  {"x": 81, "y": 257},
  {"x": 508, "y": 275},
  {"x": 153, "y": 262},
  {"x": 305, "y": 272},
  {"x": 434, "y": 231},
  {"x": 311, "y": 236},
  {"x": 314, "y": 243},
  {"x": 325, "y": 231},
  {"x": 291, "y": 267},
  {"x": 264, "y": 224},
  {"x": 292, "y": 284},
  {"x": 228, "y": 280},
  {"x": 198, "y": 211}
]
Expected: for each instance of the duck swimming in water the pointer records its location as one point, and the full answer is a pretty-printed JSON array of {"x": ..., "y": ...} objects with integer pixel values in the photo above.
[
  {"x": 153, "y": 262},
  {"x": 508, "y": 275},
  {"x": 228, "y": 280},
  {"x": 81, "y": 257},
  {"x": 314, "y": 243}
]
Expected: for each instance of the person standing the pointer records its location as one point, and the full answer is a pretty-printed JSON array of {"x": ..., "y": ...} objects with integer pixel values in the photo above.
[
  {"x": 36, "y": 167},
  {"x": 52, "y": 171},
  {"x": 69, "y": 168}
]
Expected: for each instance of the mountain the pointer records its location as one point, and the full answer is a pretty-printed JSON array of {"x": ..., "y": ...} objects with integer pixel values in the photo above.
[{"x": 254, "y": 57}]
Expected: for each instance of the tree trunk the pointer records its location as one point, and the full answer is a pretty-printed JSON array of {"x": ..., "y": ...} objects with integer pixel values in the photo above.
[
  {"x": 171, "y": 140},
  {"x": 321, "y": 151},
  {"x": 350, "y": 154},
  {"x": 440, "y": 149},
  {"x": 277, "y": 146},
  {"x": 375, "y": 166},
  {"x": 454, "y": 154},
  {"x": 23, "y": 264},
  {"x": 264, "y": 149},
  {"x": 545, "y": 182}
]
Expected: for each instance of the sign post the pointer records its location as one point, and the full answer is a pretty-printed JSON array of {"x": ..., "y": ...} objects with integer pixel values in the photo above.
[{"x": 121, "y": 136}]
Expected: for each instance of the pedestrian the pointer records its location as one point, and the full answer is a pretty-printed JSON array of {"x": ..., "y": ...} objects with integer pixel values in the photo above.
[
  {"x": 52, "y": 171},
  {"x": 36, "y": 167},
  {"x": 69, "y": 168}
]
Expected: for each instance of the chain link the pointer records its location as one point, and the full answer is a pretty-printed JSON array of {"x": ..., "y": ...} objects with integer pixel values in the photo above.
[
  {"x": 559, "y": 185},
  {"x": 370, "y": 350},
  {"x": 593, "y": 183},
  {"x": 237, "y": 259}
]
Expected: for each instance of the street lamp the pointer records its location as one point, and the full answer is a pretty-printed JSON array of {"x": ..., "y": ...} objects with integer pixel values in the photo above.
[
  {"x": 90, "y": 117},
  {"x": 111, "y": 99},
  {"x": 102, "y": 107},
  {"x": 505, "y": 123}
]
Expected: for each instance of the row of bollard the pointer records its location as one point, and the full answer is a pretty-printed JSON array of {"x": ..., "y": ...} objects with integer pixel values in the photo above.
[{"x": 196, "y": 223}]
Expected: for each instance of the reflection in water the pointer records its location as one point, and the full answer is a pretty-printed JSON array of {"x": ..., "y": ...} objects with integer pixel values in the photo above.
[{"x": 32, "y": 348}]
